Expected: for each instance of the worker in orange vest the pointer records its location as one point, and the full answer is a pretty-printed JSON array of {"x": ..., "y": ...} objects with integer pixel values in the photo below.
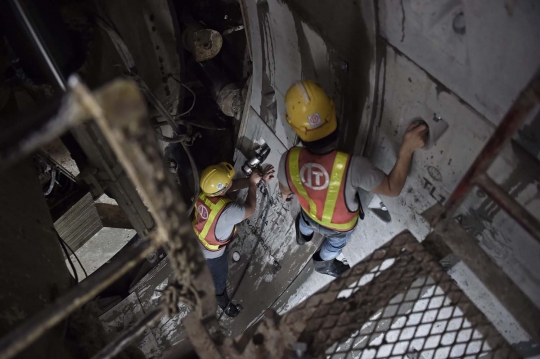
[
  {"x": 215, "y": 219},
  {"x": 326, "y": 180}
]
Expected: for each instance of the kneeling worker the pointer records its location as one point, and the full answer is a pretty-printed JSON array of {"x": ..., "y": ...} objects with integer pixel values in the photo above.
[
  {"x": 326, "y": 180},
  {"x": 216, "y": 217}
]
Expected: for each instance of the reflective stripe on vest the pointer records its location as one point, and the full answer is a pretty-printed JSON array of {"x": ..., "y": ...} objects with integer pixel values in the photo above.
[
  {"x": 332, "y": 192},
  {"x": 206, "y": 238}
]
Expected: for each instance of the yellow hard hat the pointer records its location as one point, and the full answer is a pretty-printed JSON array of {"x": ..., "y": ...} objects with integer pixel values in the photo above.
[
  {"x": 215, "y": 180},
  {"x": 310, "y": 112}
]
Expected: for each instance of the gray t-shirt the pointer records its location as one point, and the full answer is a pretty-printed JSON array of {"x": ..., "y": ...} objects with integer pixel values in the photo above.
[
  {"x": 361, "y": 174},
  {"x": 232, "y": 215}
]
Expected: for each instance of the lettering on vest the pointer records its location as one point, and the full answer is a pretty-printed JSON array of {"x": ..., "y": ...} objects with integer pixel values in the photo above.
[
  {"x": 314, "y": 176},
  {"x": 203, "y": 212}
]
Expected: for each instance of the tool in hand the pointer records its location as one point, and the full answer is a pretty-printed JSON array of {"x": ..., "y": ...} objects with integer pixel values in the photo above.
[{"x": 255, "y": 162}]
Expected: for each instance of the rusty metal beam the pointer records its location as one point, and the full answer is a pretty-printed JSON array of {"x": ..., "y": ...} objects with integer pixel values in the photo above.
[
  {"x": 124, "y": 124},
  {"x": 526, "y": 101},
  {"x": 509, "y": 205},
  {"x": 27, "y": 135},
  {"x": 199, "y": 337},
  {"x": 123, "y": 121},
  {"x": 120, "y": 113},
  {"x": 25, "y": 334}
]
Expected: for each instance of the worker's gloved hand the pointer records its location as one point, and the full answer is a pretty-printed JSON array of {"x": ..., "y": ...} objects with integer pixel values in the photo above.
[
  {"x": 414, "y": 138},
  {"x": 268, "y": 173}
]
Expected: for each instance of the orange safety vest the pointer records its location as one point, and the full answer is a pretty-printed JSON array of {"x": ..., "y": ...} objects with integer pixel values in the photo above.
[
  {"x": 207, "y": 212},
  {"x": 319, "y": 183}
]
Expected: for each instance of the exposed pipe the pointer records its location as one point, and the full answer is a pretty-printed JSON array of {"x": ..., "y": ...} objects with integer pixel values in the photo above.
[{"x": 38, "y": 42}]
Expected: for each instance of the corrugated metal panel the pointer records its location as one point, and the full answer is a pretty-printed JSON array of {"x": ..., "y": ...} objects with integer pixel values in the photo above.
[{"x": 79, "y": 223}]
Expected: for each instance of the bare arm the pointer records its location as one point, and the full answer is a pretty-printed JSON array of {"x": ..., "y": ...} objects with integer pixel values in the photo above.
[
  {"x": 251, "y": 199},
  {"x": 286, "y": 193},
  {"x": 392, "y": 184},
  {"x": 238, "y": 184}
]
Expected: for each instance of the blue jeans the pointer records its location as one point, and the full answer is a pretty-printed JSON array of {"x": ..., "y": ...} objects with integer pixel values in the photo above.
[
  {"x": 219, "y": 268},
  {"x": 334, "y": 240}
]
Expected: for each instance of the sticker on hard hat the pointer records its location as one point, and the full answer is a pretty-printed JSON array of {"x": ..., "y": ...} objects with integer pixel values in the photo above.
[
  {"x": 219, "y": 185},
  {"x": 315, "y": 120},
  {"x": 202, "y": 211},
  {"x": 314, "y": 176}
]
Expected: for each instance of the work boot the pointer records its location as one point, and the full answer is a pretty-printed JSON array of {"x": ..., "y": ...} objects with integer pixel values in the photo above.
[
  {"x": 300, "y": 238},
  {"x": 332, "y": 267},
  {"x": 229, "y": 308}
]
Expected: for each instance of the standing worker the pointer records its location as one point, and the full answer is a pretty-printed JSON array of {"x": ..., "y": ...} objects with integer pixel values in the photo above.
[
  {"x": 216, "y": 217},
  {"x": 326, "y": 180}
]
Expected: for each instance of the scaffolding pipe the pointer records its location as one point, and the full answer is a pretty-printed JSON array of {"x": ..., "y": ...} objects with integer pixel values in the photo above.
[
  {"x": 509, "y": 205},
  {"x": 524, "y": 104}
]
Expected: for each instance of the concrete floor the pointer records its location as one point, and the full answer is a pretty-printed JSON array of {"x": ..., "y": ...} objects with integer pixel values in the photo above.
[{"x": 99, "y": 249}]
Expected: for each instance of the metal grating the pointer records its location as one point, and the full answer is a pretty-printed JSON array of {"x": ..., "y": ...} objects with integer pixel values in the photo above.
[{"x": 396, "y": 303}]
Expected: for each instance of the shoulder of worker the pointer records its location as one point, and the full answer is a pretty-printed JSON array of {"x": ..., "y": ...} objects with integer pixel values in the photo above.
[
  {"x": 281, "y": 170},
  {"x": 233, "y": 213},
  {"x": 363, "y": 173}
]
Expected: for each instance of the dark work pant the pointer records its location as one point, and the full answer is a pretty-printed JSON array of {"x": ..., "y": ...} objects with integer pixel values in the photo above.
[{"x": 219, "y": 269}]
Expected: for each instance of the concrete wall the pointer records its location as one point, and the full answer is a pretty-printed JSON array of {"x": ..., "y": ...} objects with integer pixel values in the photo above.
[{"x": 486, "y": 63}]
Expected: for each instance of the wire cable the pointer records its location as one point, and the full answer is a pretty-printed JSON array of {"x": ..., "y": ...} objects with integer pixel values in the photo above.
[
  {"x": 77, "y": 258},
  {"x": 173, "y": 125},
  {"x": 52, "y": 183},
  {"x": 195, "y": 179},
  {"x": 187, "y": 122},
  {"x": 196, "y": 124},
  {"x": 190, "y": 90},
  {"x": 75, "y": 275},
  {"x": 259, "y": 240}
]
